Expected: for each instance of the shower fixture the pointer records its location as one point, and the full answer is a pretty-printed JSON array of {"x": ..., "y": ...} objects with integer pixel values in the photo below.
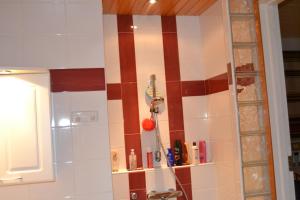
[
  {"x": 156, "y": 104},
  {"x": 171, "y": 193}
]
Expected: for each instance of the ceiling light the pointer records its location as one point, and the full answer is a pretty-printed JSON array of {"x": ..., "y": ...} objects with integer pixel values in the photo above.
[
  {"x": 152, "y": 1},
  {"x": 133, "y": 27}
]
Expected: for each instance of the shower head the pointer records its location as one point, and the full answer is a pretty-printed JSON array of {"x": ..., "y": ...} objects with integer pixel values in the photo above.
[{"x": 153, "y": 97}]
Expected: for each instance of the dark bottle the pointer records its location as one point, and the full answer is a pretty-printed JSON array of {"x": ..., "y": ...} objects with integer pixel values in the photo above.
[
  {"x": 170, "y": 158},
  {"x": 178, "y": 153}
]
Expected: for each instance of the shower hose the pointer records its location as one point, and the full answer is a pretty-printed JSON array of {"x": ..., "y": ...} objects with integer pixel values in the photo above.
[{"x": 158, "y": 137}]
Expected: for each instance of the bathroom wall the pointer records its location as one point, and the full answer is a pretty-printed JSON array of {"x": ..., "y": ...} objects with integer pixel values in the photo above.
[
  {"x": 64, "y": 34},
  {"x": 51, "y": 33},
  {"x": 188, "y": 56}
]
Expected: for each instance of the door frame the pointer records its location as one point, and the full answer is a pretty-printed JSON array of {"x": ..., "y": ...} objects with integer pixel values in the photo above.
[{"x": 275, "y": 78}]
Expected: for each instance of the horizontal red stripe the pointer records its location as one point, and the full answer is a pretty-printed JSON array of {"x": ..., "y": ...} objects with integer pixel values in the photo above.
[
  {"x": 114, "y": 91},
  {"x": 188, "y": 88},
  {"x": 193, "y": 88},
  {"x": 84, "y": 79},
  {"x": 216, "y": 84}
]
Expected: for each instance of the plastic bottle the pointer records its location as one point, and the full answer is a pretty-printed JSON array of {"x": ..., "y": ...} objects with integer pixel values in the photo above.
[
  {"x": 115, "y": 160},
  {"x": 178, "y": 153},
  {"x": 132, "y": 160},
  {"x": 202, "y": 151},
  {"x": 149, "y": 158},
  {"x": 195, "y": 154},
  {"x": 170, "y": 157},
  {"x": 185, "y": 154}
]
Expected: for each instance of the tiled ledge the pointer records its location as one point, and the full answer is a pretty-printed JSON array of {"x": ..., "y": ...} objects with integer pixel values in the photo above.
[{"x": 124, "y": 171}]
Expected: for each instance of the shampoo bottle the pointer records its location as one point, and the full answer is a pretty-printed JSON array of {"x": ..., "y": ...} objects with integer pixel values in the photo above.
[
  {"x": 170, "y": 157},
  {"x": 195, "y": 154},
  {"x": 202, "y": 151},
  {"x": 178, "y": 153},
  {"x": 132, "y": 161}
]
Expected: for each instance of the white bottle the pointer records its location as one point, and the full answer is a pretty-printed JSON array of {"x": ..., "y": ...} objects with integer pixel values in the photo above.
[
  {"x": 195, "y": 154},
  {"x": 132, "y": 161}
]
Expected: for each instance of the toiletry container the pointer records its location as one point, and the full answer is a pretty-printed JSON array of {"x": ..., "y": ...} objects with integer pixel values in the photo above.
[
  {"x": 202, "y": 151},
  {"x": 149, "y": 158},
  {"x": 170, "y": 157},
  {"x": 115, "y": 160},
  {"x": 186, "y": 154},
  {"x": 178, "y": 153},
  {"x": 195, "y": 154},
  {"x": 132, "y": 160}
]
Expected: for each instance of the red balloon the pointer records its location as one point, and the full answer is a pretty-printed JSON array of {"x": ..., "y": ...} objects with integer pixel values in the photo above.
[{"x": 148, "y": 124}]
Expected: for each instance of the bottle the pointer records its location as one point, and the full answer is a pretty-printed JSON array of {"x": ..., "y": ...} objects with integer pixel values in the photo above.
[
  {"x": 177, "y": 153},
  {"x": 195, "y": 154},
  {"x": 202, "y": 151},
  {"x": 170, "y": 158},
  {"x": 149, "y": 158},
  {"x": 132, "y": 160},
  {"x": 185, "y": 154},
  {"x": 115, "y": 160}
]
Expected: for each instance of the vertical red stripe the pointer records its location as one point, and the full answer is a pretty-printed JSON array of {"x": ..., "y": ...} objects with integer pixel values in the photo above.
[
  {"x": 174, "y": 94},
  {"x": 184, "y": 175},
  {"x": 130, "y": 108},
  {"x": 172, "y": 72},
  {"x": 129, "y": 95}
]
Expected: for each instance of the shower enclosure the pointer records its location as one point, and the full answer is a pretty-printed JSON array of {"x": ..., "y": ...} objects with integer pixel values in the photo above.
[{"x": 210, "y": 73}]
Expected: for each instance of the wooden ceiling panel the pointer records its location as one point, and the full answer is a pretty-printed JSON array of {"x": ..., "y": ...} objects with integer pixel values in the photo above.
[{"x": 162, "y": 7}]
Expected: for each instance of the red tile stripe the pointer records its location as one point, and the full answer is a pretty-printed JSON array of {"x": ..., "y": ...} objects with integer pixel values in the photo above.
[
  {"x": 216, "y": 84},
  {"x": 188, "y": 88},
  {"x": 193, "y": 88},
  {"x": 114, "y": 91},
  {"x": 184, "y": 176},
  {"x": 128, "y": 92},
  {"x": 84, "y": 79},
  {"x": 174, "y": 94}
]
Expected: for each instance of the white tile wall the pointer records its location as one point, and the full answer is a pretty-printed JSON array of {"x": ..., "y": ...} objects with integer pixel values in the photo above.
[
  {"x": 149, "y": 61},
  {"x": 189, "y": 39},
  {"x": 213, "y": 41},
  {"x": 111, "y": 42},
  {"x": 82, "y": 160},
  {"x": 116, "y": 130},
  {"x": 159, "y": 180},
  {"x": 204, "y": 177},
  {"x": 121, "y": 191},
  {"x": 51, "y": 34}
]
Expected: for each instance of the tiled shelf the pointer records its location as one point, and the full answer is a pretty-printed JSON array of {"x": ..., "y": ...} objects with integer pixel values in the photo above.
[{"x": 124, "y": 171}]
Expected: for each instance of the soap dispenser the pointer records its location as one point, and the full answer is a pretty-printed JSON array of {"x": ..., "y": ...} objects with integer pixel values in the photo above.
[{"x": 132, "y": 160}]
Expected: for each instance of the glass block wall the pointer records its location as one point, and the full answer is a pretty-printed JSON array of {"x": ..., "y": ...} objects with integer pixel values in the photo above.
[{"x": 253, "y": 114}]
